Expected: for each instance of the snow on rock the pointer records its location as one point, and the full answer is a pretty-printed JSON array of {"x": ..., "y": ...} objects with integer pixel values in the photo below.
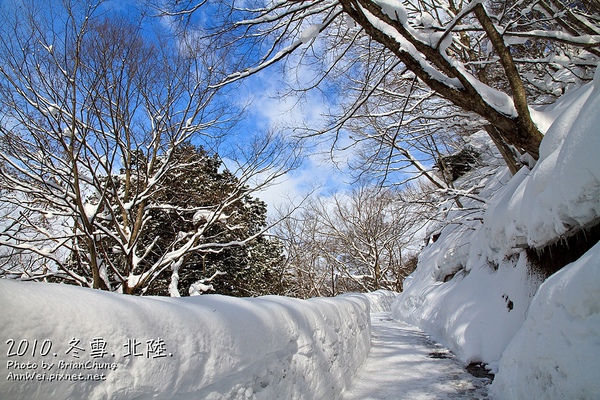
[
  {"x": 555, "y": 355},
  {"x": 471, "y": 304},
  {"x": 562, "y": 192},
  {"x": 106, "y": 346}
]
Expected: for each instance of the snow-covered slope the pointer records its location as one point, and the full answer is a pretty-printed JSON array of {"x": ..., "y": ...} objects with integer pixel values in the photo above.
[
  {"x": 472, "y": 289},
  {"x": 68, "y": 342},
  {"x": 562, "y": 192},
  {"x": 556, "y": 353},
  {"x": 471, "y": 303}
]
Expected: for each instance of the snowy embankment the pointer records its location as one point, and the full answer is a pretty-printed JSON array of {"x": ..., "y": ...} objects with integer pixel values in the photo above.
[
  {"x": 69, "y": 342},
  {"x": 555, "y": 355},
  {"x": 379, "y": 300},
  {"x": 473, "y": 289}
]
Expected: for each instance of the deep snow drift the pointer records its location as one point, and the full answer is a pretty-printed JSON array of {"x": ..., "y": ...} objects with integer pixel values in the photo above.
[
  {"x": 110, "y": 346},
  {"x": 472, "y": 288},
  {"x": 556, "y": 353}
]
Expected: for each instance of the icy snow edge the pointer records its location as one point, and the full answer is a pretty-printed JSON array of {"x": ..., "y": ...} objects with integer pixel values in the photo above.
[{"x": 209, "y": 347}]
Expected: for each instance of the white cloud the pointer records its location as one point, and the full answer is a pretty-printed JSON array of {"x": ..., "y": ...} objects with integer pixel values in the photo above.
[
  {"x": 316, "y": 177},
  {"x": 272, "y": 107}
]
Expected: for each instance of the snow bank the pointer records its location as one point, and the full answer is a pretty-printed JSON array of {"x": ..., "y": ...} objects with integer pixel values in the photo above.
[
  {"x": 471, "y": 304},
  {"x": 380, "y": 300},
  {"x": 476, "y": 313},
  {"x": 562, "y": 192},
  {"x": 69, "y": 342},
  {"x": 555, "y": 355},
  {"x": 472, "y": 288}
]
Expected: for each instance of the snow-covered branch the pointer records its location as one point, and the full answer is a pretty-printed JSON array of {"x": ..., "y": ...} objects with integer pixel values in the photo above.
[{"x": 96, "y": 159}]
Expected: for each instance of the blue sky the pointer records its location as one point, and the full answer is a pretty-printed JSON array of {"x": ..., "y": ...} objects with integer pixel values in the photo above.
[{"x": 266, "y": 111}]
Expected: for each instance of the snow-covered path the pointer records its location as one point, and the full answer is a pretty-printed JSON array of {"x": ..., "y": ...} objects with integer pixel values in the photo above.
[{"x": 405, "y": 364}]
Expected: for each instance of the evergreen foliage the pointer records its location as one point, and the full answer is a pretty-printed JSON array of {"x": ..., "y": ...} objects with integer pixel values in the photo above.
[{"x": 199, "y": 191}]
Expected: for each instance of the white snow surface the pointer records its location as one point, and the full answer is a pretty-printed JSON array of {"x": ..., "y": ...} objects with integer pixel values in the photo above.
[
  {"x": 310, "y": 33},
  {"x": 555, "y": 355},
  {"x": 473, "y": 290},
  {"x": 203, "y": 347},
  {"x": 405, "y": 364},
  {"x": 562, "y": 192},
  {"x": 393, "y": 9}
]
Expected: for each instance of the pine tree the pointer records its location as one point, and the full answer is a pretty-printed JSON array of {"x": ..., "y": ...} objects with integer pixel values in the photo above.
[{"x": 198, "y": 192}]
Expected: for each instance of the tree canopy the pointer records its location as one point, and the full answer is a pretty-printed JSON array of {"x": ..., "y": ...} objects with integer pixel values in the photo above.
[
  {"x": 110, "y": 175},
  {"x": 414, "y": 65}
]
